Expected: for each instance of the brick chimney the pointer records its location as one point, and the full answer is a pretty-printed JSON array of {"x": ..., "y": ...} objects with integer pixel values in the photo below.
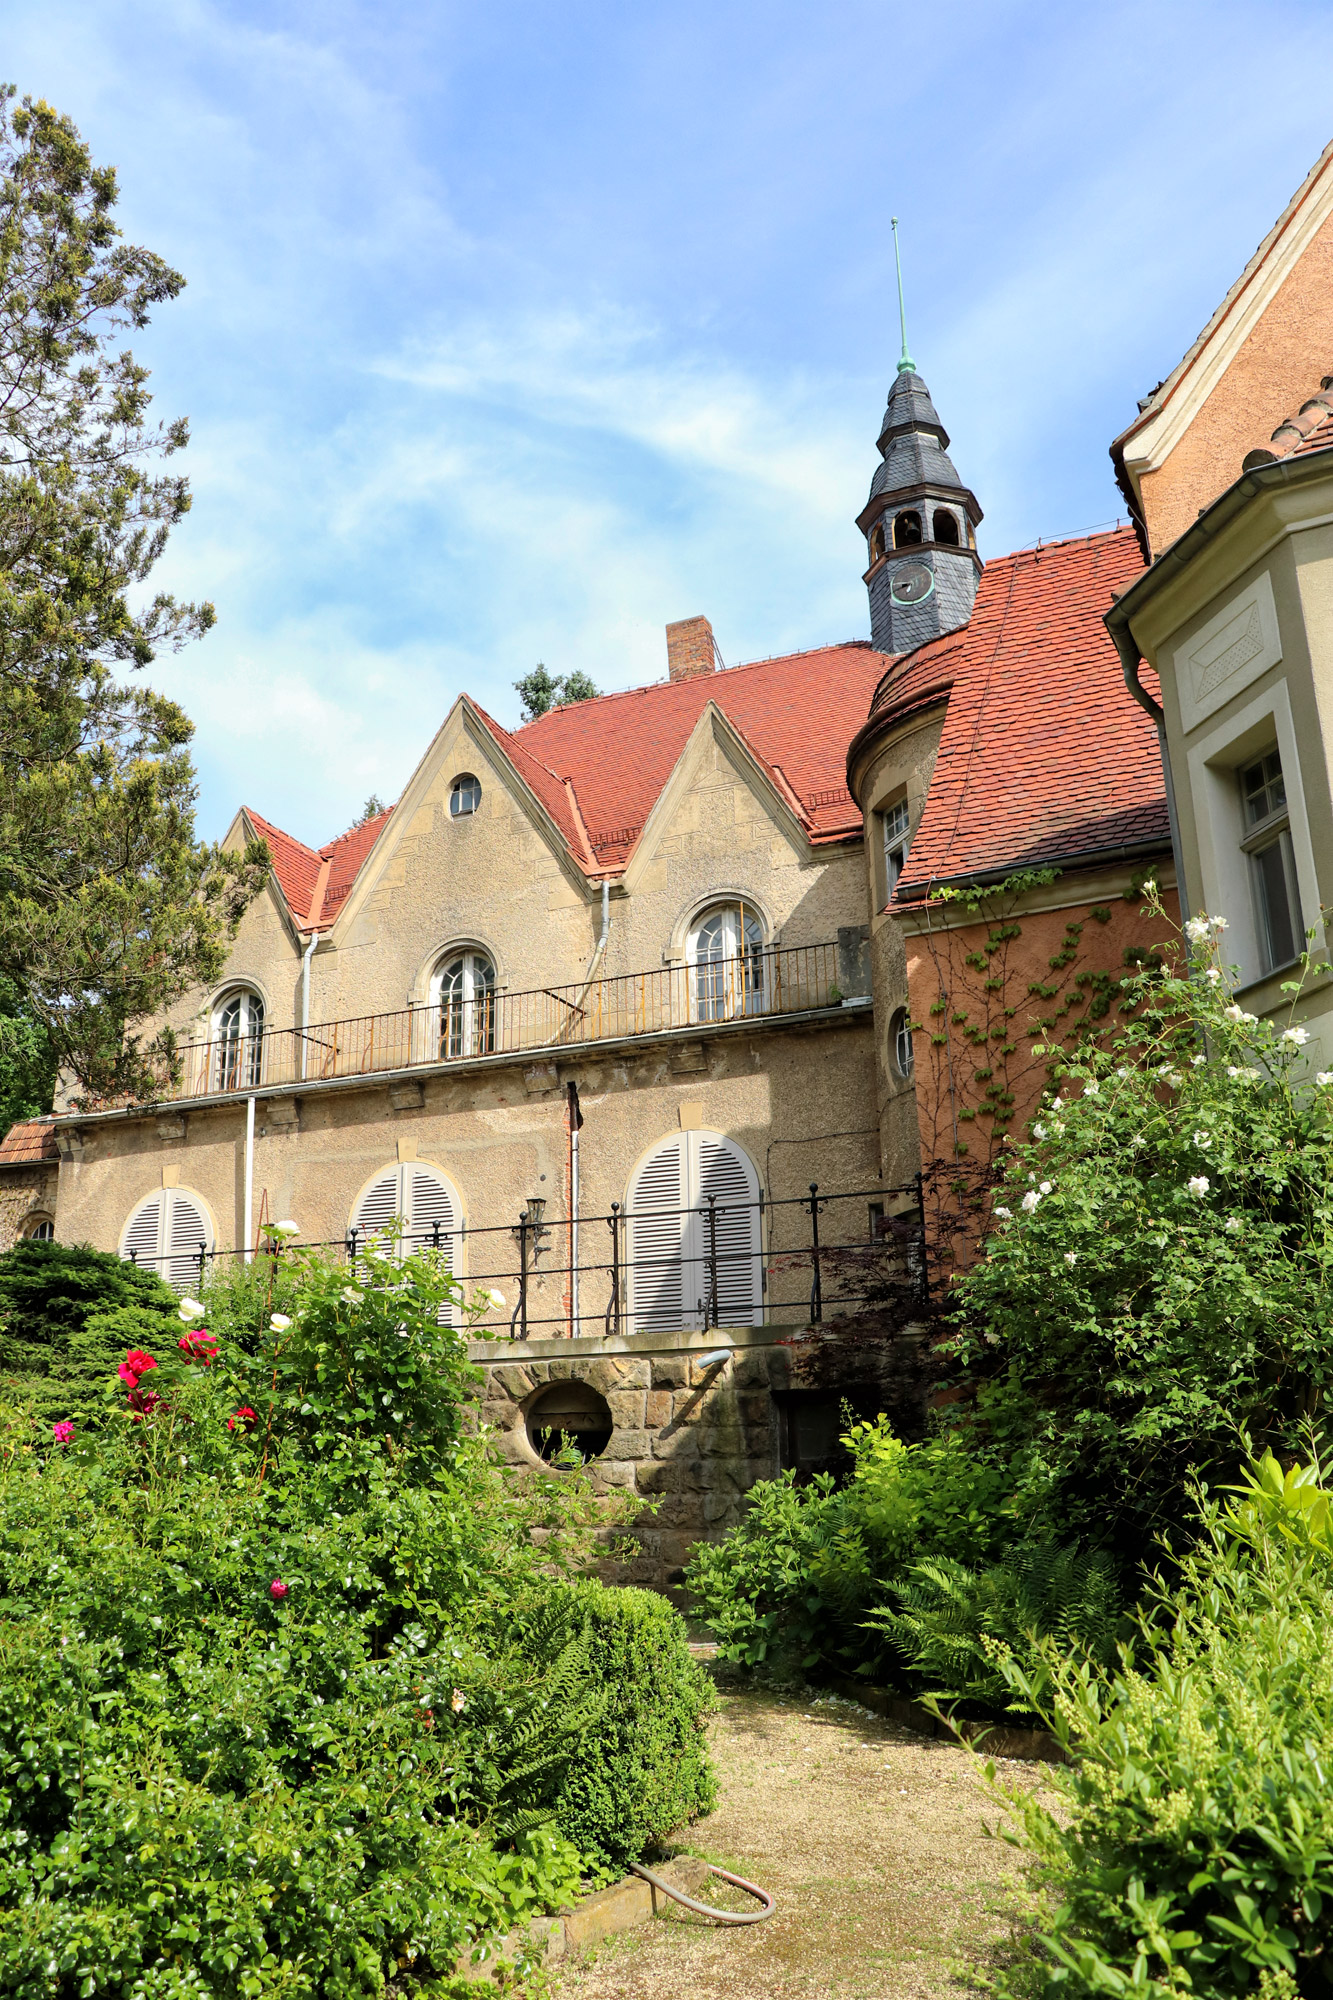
[{"x": 690, "y": 649}]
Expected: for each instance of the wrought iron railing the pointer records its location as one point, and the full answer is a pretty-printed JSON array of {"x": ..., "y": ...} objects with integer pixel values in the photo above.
[
  {"x": 799, "y": 1260},
  {"x": 760, "y": 985}
]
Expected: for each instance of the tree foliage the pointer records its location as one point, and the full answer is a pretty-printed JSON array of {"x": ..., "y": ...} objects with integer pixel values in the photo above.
[
  {"x": 542, "y": 690},
  {"x": 109, "y": 907}
]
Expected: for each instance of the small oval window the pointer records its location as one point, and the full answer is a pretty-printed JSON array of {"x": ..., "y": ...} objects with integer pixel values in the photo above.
[
  {"x": 900, "y": 1043},
  {"x": 465, "y": 796}
]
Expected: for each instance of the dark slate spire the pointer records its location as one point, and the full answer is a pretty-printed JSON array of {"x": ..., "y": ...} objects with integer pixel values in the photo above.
[{"x": 920, "y": 520}]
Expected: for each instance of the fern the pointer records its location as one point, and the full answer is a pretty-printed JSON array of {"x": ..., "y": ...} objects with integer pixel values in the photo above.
[{"x": 952, "y": 1624}]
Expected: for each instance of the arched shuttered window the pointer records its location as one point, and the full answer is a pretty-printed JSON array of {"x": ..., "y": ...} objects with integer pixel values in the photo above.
[
  {"x": 415, "y": 1197},
  {"x": 670, "y": 1279},
  {"x": 165, "y": 1234}
]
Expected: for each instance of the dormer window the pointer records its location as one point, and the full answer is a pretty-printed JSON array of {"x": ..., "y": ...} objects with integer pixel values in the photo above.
[
  {"x": 465, "y": 795},
  {"x": 907, "y": 530},
  {"x": 946, "y": 528},
  {"x": 1267, "y": 841},
  {"x": 238, "y": 1034}
]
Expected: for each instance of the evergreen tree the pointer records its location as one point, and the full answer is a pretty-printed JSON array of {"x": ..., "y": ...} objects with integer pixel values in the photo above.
[
  {"x": 109, "y": 907},
  {"x": 542, "y": 690}
]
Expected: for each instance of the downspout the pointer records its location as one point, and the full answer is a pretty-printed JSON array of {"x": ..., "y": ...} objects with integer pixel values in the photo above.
[
  {"x": 249, "y": 1177},
  {"x": 1130, "y": 657},
  {"x": 575, "y": 1326},
  {"x": 305, "y": 999}
]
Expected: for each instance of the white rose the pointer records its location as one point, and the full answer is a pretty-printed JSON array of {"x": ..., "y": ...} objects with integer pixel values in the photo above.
[
  {"x": 1004, "y": 1214},
  {"x": 1234, "y": 1013},
  {"x": 1198, "y": 930},
  {"x": 1092, "y": 1090},
  {"x": 1219, "y": 924},
  {"x": 191, "y": 1309},
  {"x": 285, "y": 1228},
  {"x": 1030, "y": 1201},
  {"x": 279, "y": 1322},
  {"x": 1203, "y": 1140},
  {"x": 1233, "y": 1225},
  {"x": 350, "y": 1297},
  {"x": 1045, "y": 1187},
  {"x": 496, "y": 1298},
  {"x": 1150, "y": 888},
  {"x": 1138, "y": 1140},
  {"x": 1213, "y": 976},
  {"x": 1071, "y": 1258},
  {"x": 1198, "y": 1187},
  {"x": 1324, "y": 1078},
  {"x": 1039, "y": 1131},
  {"x": 1296, "y": 1036}
]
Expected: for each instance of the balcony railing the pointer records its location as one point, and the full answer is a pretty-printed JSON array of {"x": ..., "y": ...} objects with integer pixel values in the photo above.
[{"x": 757, "y": 987}]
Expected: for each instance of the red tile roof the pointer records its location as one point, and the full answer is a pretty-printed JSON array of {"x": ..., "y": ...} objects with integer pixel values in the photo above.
[
  {"x": 598, "y": 766},
  {"x": 1310, "y": 429},
  {"x": 1043, "y": 755},
  {"x": 26, "y": 1143}
]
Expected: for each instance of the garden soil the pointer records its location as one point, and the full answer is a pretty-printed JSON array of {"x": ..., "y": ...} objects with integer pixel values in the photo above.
[{"x": 871, "y": 1838}]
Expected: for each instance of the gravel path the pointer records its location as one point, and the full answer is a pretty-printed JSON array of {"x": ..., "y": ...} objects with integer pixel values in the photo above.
[{"x": 870, "y": 1837}]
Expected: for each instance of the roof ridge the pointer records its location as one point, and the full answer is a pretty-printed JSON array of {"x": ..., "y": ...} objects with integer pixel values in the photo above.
[{"x": 647, "y": 687}]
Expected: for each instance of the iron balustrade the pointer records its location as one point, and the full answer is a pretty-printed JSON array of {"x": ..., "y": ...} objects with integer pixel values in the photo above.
[
  {"x": 755, "y": 986},
  {"x": 872, "y": 1258}
]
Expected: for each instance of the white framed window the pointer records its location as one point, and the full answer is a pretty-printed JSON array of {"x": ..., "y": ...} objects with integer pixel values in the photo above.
[
  {"x": 38, "y": 1229},
  {"x": 726, "y": 953},
  {"x": 170, "y": 1233},
  {"x": 464, "y": 795},
  {"x": 900, "y": 1043},
  {"x": 238, "y": 1036},
  {"x": 465, "y": 996},
  {"x": 897, "y": 820},
  {"x": 670, "y": 1244},
  {"x": 1266, "y": 840}
]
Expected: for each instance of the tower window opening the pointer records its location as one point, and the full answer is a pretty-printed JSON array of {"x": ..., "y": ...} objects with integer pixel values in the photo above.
[
  {"x": 877, "y": 542},
  {"x": 907, "y": 530},
  {"x": 946, "y": 527},
  {"x": 897, "y": 839}
]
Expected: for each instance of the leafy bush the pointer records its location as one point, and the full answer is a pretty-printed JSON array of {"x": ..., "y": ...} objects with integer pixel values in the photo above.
[
  {"x": 1191, "y": 1848},
  {"x": 55, "y": 1337},
  {"x": 792, "y": 1585},
  {"x": 290, "y": 1692},
  {"x": 1159, "y": 1268},
  {"x": 640, "y": 1769}
]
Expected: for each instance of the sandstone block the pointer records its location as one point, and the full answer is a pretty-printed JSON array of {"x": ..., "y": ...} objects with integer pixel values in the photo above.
[
  {"x": 635, "y": 1371},
  {"x": 610, "y": 1473},
  {"x": 679, "y": 1445},
  {"x": 628, "y": 1444},
  {"x": 670, "y": 1371},
  {"x": 657, "y": 1408},
  {"x": 687, "y": 1407},
  {"x": 721, "y": 1509},
  {"x": 559, "y": 1370},
  {"x": 540, "y": 1371},
  {"x": 603, "y": 1374},
  {"x": 658, "y": 1476},
  {"x": 517, "y": 1380},
  {"x": 627, "y": 1408},
  {"x": 756, "y": 1410}
]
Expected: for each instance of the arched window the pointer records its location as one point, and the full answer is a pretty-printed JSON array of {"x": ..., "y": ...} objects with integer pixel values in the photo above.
[
  {"x": 410, "y": 1204},
  {"x": 465, "y": 995},
  {"x": 38, "y": 1229},
  {"x": 465, "y": 795},
  {"x": 946, "y": 527},
  {"x": 238, "y": 1035},
  {"x": 907, "y": 530},
  {"x": 877, "y": 542},
  {"x": 675, "y": 1257},
  {"x": 727, "y": 963},
  {"x": 900, "y": 1042},
  {"x": 897, "y": 839},
  {"x": 170, "y": 1233}
]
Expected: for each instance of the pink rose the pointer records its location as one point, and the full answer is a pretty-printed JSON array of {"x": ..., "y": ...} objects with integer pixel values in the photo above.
[
  {"x": 277, "y": 1590},
  {"x": 63, "y": 1432}
]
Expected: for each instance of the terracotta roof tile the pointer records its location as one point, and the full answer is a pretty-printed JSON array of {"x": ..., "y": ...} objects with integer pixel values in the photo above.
[
  {"x": 1043, "y": 755},
  {"x": 32, "y": 1140}
]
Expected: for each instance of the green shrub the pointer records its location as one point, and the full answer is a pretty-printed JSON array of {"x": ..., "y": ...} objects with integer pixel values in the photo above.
[
  {"x": 290, "y": 1695},
  {"x": 56, "y": 1342},
  {"x": 1191, "y": 1846},
  {"x": 640, "y": 1769}
]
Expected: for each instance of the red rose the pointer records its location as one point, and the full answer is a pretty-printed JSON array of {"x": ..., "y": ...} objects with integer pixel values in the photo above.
[
  {"x": 245, "y": 1416},
  {"x": 277, "y": 1589},
  {"x": 137, "y": 1360}
]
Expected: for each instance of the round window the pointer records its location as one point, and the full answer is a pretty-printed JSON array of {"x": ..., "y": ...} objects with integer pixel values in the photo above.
[
  {"x": 900, "y": 1043},
  {"x": 465, "y": 796},
  {"x": 569, "y": 1423}
]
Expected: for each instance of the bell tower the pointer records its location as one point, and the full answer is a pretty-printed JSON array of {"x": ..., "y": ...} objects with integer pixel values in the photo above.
[{"x": 920, "y": 521}]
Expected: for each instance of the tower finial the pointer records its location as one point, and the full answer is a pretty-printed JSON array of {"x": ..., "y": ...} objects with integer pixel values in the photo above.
[{"x": 906, "y": 366}]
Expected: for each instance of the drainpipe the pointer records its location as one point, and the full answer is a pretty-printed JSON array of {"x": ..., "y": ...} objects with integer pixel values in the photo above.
[
  {"x": 305, "y": 1000},
  {"x": 249, "y": 1177},
  {"x": 575, "y": 1120},
  {"x": 1130, "y": 658}
]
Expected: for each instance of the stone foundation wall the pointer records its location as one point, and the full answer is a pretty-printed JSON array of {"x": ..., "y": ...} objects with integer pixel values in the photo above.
[{"x": 698, "y": 1418}]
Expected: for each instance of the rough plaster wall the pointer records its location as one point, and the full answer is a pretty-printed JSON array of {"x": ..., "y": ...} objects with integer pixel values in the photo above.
[{"x": 1276, "y": 368}]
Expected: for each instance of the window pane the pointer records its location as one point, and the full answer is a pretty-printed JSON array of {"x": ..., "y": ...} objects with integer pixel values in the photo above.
[{"x": 1271, "y": 865}]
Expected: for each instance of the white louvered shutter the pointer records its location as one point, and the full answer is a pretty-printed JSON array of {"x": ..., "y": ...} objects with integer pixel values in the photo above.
[
  {"x": 379, "y": 1206},
  {"x": 426, "y": 1202},
  {"x": 184, "y": 1230},
  {"x": 139, "y": 1244},
  {"x": 722, "y": 1170},
  {"x": 662, "y": 1284}
]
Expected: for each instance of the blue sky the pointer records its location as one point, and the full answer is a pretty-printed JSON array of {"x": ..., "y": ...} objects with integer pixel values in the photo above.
[{"x": 513, "y": 333}]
